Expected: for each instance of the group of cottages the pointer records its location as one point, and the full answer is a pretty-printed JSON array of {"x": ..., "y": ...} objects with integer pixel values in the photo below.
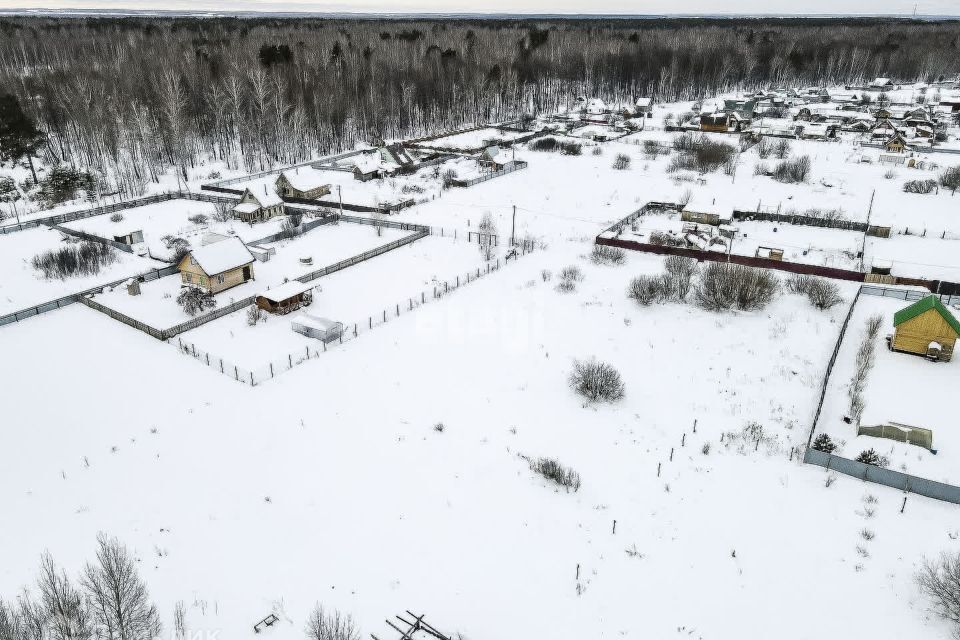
[
  {"x": 596, "y": 111},
  {"x": 291, "y": 184},
  {"x": 388, "y": 160}
]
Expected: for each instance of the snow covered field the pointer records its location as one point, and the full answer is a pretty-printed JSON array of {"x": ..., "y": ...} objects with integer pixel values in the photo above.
[
  {"x": 472, "y": 140},
  {"x": 727, "y": 542},
  {"x": 22, "y": 286},
  {"x": 326, "y": 244},
  {"x": 901, "y": 388}
]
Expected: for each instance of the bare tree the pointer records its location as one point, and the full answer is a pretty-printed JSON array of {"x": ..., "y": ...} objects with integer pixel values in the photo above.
[
  {"x": 488, "y": 233},
  {"x": 66, "y": 611},
  {"x": 322, "y": 625},
  {"x": 940, "y": 581},
  {"x": 121, "y": 605}
]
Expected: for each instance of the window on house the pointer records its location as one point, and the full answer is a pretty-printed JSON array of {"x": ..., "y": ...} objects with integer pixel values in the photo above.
[{"x": 220, "y": 279}]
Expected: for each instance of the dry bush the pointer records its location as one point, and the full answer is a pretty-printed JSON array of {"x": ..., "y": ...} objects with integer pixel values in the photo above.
[
  {"x": 764, "y": 148},
  {"x": 864, "y": 363},
  {"x": 792, "y": 171},
  {"x": 596, "y": 151},
  {"x": 680, "y": 272},
  {"x": 950, "y": 178},
  {"x": 82, "y": 259},
  {"x": 322, "y": 625},
  {"x": 198, "y": 218},
  {"x": 920, "y": 186},
  {"x": 647, "y": 289},
  {"x": 596, "y": 381},
  {"x": 603, "y": 254},
  {"x": 664, "y": 239},
  {"x": 543, "y": 144},
  {"x": 552, "y": 470},
  {"x": 781, "y": 148},
  {"x": 621, "y": 162},
  {"x": 223, "y": 211},
  {"x": 116, "y": 217},
  {"x": 939, "y": 580},
  {"x": 821, "y": 293},
  {"x": 761, "y": 169},
  {"x": 571, "y": 273},
  {"x": 726, "y": 286}
]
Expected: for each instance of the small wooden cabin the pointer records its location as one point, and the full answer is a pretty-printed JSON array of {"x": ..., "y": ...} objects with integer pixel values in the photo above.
[
  {"x": 258, "y": 207},
  {"x": 716, "y": 122},
  {"x": 925, "y": 328},
  {"x": 896, "y": 144},
  {"x": 366, "y": 167},
  {"x": 217, "y": 267},
  {"x": 133, "y": 237},
  {"x": 305, "y": 185},
  {"x": 493, "y": 158},
  {"x": 704, "y": 213},
  {"x": 285, "y": 298},
  {"x": 644, "y": 107},
  {"x": 771, "y": 253}
]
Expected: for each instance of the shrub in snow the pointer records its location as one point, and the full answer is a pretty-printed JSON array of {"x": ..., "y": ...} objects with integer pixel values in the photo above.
[
  {"x": 449, "y": 178},
  {"x": 872, "y": 457},
  {"x": 822, "y": 293},
  {"x": 198, "y": 218},
  {"x": 726, "y": 286},
  {"x": 792, "y": 171},
  {"x": 323, "y": 625},
  {"x": 83, "y": 259},
  {"x": 950, "y": 179},
  {"x": 178, "y": 247},
  {"x": 781, "y": 148},
  {"x": 862, "y": 367},
  {"x": 488, "y": 231},
  {"x": 597, "y": 151},
  {"x": 571, "y": 148},
  {"x": 761, "y": 169},
  {"x": 596, "y": 381},
  {"x": 939, "y": 580},
  {"x": 764, "y": 148},
  {"x": 920, "y": 186},
  {"x": 664, "y": 239},
  {"x": 603, "y": 254},
  {"x": 566, "y": 286},
  {"x": 680, "y": 272},
  {"x": 116, "y": 217},
  {"x": 543, "y": 144},
  {"x": 571, "y": 273},
  {"x": 254, "y": 315},
  {"x": 552, "y": 470},
  {"x": 651, "y": 149},
  {"x": 647, "y": 289},
  {"x": 621, "y": 162},
  {"x": 823, "y": 443},
  {"x": 546, "y": 274},
  {"x": 222, "y": 211},
  {"x": 195, "y": 300}
]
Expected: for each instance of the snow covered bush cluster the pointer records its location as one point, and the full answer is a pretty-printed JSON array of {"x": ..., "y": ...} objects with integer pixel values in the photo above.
[
  {"x": 920, "y": 186},
  {"x": 596, "y": 381},
  {"x": 939, "y": 580},
  {"x": 83, "y": 259},
  {"x": 603, "y": 254},
  {"x": 700, "y": 154},
  {"x": 723, "y": 286},
  {"x": 324, "y": 625},
  {"x": 110, "y": 602},
  {"x": 64, "y": 183},
  {"x": 865, "y": 358},
  {"x": 950, "y": 179},
  {"x": 792, "y": 171},
  {"x": 664, "y": 239},
  {"x": 569, "y": 277},
  {"x": 821, "y": 293},
  {"x": 116, "y": 217},
  {"x": 552, "y": 470},
  {"x": 621, "y": 162},
  {"x": 194, "y": 300},
  {"x": 197, "y": 218},
  {"x": 871, "y": 457},
  {"x": 222, "y": 212},
  {"x": 565, "y": 147},
  {"x": 674, "y": 283}
]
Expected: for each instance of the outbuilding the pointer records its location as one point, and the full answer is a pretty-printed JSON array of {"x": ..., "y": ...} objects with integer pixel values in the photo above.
[
  {"x": 315, "y": 327},
  {"x": 286, "y": 297},
  {"x": 925, "y": 328},
  {"x": 258, "y": 207},
  {"x": 217, "y": 267},
  {"x": 304, "y": 185}
]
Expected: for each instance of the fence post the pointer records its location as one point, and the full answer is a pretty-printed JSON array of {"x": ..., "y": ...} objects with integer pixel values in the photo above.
[
  {"x": 354, "y": 330},
  {"x": 308, "y": 353},
  {"x": 221, "y": 365},
  {"x": 369, "y": 322},
  {"x": 236, "y": 374},
  {"x": 271, "y": 371},
  {"x": 398, "y": 310},
  {"x": 251, "y": 378}
]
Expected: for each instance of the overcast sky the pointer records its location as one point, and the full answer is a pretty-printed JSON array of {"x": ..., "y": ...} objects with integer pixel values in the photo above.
[{"x": 710, "y": 7}]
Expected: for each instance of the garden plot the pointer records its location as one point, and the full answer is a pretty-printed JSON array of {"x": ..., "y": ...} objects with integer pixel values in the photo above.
[
  {"x": 807, "y": 245},
  {"x": 352, "y": 296},
  {"x": 490, "y": 364},
  {"x": 471, "y": 141},
  {"x": 931, "y": 258},
  {"x": 172, "y": 218},
  {"x": 22, "y": 286},
  {"x": 902, "y": 388},
  {"x": 327, "y": 244}
]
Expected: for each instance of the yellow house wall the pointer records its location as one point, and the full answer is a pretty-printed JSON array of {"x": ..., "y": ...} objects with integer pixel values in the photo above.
[{"x": 915, "y": 335}]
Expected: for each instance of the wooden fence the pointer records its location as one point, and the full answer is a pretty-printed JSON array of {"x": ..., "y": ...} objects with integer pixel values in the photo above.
[
  {"x": 810, "y": 221},
  {"x": 515, "y": 165}
]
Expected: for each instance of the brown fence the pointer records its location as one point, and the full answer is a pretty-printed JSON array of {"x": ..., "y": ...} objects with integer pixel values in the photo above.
[{"x": 762, "y": 263}]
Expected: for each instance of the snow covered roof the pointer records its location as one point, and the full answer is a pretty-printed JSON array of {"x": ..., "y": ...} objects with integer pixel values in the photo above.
[
  {"x": 285, "y": 291},
  {"x": 222, "y": 256},
  {"x": 246, "y": 207},
  {"x": 707, "y": 206},
  {"x": 596, "y": 106},
  {"x": 881, "y": 82},
  {"x": 314, "y": 322},
  {"x": 644, "y": 102},
  {"x": 366, "y": 163},
  {"x": 304, "y": 180},
  {"x": 265, "y": 195}
]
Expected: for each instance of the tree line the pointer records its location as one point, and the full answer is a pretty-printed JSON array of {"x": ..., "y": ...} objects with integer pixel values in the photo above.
[{"x": 131, "y": 98}]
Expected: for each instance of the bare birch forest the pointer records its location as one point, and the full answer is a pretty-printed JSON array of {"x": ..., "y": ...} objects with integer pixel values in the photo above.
[{"x": 130, "y": 98}]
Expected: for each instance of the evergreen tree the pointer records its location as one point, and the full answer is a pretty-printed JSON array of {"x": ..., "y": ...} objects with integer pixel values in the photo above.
[
  {"x": 823, "y": 443},
  {"x": 19, "y": 136}
]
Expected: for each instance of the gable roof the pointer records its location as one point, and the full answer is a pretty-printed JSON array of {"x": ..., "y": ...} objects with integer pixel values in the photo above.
[
  {"x": 922, "y": 306},
  {"x": 222, "y": 256},
  {"x": 286, "y": 290},
  {"x": 303, "y": 181},
  {"x": 268, "y": 197}
]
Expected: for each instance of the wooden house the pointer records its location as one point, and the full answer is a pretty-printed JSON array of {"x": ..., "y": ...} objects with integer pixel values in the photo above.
[
  {"x": 285, "y": 298},
  {"x": 881, "y": 83},
  {"x": 305, "y": 185},
  {"x": 217, "y": 267},
  {"x": 397, "y": 158},
  {"x": 643, "y": 107},
  {"x": 896, "y": 144},
  {"x": 367, "y": 167},
  {"x": 771, "y": 253},
  {"x": 716, "y": 122},
  {"x": 704, "y": 213},
  {"x": 493, "y": 159},
  {"x": 925, "y": 328},
  {"x": 258, "y": 207}
]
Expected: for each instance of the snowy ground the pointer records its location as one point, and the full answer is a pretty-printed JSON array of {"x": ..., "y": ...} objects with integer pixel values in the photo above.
[
  {"x": 354, "y": 296},
  {"x": 157, "y": 306},
  {"x": 243, "y": 501},
  {"x": 901, "y": 388},
  {"x": 171, "y": 218},
  {"x": 472, "y": 140},
  {"x": 22, "y": 286}
]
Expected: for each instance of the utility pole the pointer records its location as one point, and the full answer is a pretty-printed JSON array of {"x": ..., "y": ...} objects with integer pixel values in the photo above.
[
  {"x": 863, "y": 249},
  {"x": 513, "y": 227},
  {"x": 340, "y": 198}
]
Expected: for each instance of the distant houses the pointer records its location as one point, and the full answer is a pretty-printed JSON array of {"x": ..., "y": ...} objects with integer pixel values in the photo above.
[
  {"x": 306, "y": 186},
  {"x": 217, "y": 267},
  {"x": 925, "y": 328}
]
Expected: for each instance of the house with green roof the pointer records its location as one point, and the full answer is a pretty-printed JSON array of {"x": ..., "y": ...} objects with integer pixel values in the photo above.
[{"x": 926, "y": 328}]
